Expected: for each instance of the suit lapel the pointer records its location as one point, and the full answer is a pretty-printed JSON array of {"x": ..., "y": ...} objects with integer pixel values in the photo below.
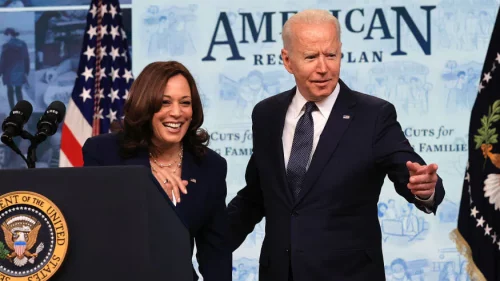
[
  {"x": 190, "y": 169},
  {"x": 277, "y": 141},
  {"x": 336, "y": 125}
]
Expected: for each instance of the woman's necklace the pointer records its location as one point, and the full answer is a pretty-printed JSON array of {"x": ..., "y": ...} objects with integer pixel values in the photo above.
[{"x": 169, "y": 165}]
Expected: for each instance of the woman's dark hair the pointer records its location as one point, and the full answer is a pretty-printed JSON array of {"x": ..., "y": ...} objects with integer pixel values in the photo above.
[
  {"x": 11, "y": 31},
  {"x": 145, "y": 99}
]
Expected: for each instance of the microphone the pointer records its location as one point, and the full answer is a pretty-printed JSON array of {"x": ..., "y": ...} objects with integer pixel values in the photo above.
[
  {"x": 48, "y": 123},
  {"x": 12, "y": 126},
  {"x": 46, "y": 127}
]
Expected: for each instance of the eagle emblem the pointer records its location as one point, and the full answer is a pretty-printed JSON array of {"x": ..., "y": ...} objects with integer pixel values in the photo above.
[{"x": 20, "y": 234}]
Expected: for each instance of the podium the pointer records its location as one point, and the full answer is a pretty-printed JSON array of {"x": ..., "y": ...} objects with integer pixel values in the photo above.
[{"x": 120, "y": 226}]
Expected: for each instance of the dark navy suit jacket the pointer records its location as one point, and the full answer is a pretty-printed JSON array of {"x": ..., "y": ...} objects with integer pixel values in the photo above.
[
  {"x": 331, "y": 231},
  {"x": 203, "y": 209}
]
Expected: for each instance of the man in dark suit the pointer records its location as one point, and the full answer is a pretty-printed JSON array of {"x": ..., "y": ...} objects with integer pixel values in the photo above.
[{"x": 321, "y": 153}]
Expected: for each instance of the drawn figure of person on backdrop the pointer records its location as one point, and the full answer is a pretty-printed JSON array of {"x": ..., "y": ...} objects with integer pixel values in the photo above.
[
  {"x": 448, "y": 272},
  {"x": 399, "y": 271},
  {"x": 14, "y": 65}
]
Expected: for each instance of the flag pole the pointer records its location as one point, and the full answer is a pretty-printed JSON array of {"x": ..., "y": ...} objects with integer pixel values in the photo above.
[{"x": 97, "y": 86}]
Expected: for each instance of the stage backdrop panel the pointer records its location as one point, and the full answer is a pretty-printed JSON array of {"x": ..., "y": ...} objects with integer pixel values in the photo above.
[{"x": 423, "y": 56}]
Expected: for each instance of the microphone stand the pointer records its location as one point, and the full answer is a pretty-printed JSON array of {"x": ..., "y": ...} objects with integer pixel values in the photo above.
[
  {"x": 10, "y": 143},
  {"x": 35, "y": 140},
  {"x": 31, "y": 161}
]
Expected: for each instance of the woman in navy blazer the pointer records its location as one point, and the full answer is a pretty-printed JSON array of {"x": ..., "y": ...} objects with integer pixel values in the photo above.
[{"x": 161, "y": 130}]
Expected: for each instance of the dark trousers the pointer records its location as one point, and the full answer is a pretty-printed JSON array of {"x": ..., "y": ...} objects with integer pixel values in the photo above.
[{"x": 10, "y": 95}]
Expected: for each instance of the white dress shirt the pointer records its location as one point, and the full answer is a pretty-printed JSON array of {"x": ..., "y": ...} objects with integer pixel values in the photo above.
[{"x": 297, "y": 108}]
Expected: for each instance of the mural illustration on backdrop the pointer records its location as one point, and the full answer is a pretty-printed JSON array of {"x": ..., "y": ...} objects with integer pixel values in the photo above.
[{"x": 425, "y": 59}]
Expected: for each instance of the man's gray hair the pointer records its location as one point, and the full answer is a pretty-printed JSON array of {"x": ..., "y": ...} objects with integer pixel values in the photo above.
[{"x": 311, "y": 16}]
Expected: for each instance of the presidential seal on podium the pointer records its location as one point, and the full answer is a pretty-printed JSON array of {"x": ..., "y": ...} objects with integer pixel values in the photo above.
[{"x": 33, "y": 237}]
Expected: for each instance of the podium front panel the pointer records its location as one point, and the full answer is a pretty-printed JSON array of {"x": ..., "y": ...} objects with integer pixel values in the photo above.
[{"x": 112, "y": 216}]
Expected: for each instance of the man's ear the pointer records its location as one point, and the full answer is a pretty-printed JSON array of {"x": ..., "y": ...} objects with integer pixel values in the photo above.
[{"x": 286, "y": 60}]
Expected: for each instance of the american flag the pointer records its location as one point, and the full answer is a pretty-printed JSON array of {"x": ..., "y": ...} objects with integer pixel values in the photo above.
[{"x": 103, "y": 80}]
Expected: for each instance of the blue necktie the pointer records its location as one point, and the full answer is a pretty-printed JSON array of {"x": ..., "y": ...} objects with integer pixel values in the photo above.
[{"x": 301, "y": 150}]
